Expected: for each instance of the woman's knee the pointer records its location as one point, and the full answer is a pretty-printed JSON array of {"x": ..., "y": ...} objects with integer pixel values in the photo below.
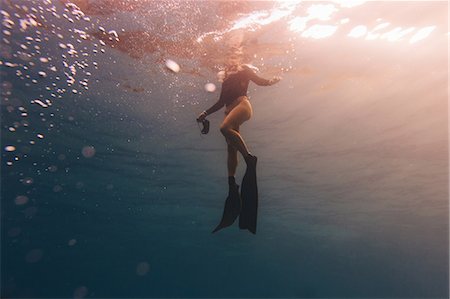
[{"x": 225, "y": 130}]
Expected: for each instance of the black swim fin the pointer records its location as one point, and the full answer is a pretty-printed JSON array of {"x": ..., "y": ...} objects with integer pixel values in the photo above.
[
  {"x": 249, "y": 195},
  {"x": 232, "y": 207}
]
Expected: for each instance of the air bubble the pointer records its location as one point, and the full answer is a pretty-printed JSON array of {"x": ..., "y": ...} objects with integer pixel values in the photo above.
[
  {"x": 40, "y": 103},
  {"x": 21, "y": 200},
  {"x": 210, "y": 87},
  {"x": 27, "y": 181},
  {"x": 10, "y": 64},
  {"x": 172, "y": 65},
  {"x": 88, "y": 151}
]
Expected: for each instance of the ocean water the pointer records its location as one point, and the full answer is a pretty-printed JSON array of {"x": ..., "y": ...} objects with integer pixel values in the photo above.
[{"x": 108, "y": 189}]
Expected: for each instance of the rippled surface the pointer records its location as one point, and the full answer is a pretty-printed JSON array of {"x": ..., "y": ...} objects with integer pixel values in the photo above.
[{"x": 109, "y": 190}]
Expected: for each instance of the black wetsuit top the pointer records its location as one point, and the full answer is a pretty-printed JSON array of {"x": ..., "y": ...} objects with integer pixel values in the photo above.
[{"x": 235, "y": 86}]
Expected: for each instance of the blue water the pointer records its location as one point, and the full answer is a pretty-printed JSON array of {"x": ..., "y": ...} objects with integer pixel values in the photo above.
[{"x": 120, "y": 195}]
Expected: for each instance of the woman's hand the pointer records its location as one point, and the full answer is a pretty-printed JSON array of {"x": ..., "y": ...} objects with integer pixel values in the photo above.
[
  {"x": 202, "y": 116},
  {"x": 274, "y": 80}
]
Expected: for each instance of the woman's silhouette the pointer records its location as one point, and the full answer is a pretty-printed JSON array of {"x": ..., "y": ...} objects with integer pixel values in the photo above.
[{"x": 238, "y": 110}]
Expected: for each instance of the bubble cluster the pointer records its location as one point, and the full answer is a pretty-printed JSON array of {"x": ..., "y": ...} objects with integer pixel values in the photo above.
[
  {"x": 29, "y": 32},
  {"x": 32, "y": 64}
]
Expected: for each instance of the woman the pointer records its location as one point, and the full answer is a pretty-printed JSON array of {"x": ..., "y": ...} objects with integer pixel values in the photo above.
[{"x": 238, "y": 110}]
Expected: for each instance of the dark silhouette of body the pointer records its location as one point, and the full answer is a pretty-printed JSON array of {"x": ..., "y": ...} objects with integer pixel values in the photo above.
[{"x": 238, "y": 110}]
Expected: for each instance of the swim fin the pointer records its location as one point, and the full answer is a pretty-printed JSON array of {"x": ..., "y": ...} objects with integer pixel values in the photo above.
[
  {"x": 232, "y": 207},
  {"x": 249, "y": 194}
]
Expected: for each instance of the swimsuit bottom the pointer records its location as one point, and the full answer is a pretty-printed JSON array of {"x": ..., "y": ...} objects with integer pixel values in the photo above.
[{"x": 234, "y": 104}]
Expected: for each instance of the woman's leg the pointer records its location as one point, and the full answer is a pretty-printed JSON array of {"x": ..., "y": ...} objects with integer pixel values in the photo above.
[
  {"x": 232, "y": 161},
  {"x": 229, "y": 128}
]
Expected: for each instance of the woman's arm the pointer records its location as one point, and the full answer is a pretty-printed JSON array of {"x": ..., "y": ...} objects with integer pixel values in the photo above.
[
  {"x": 258, "y": 80},
  {"x": 218, "y": 105}
]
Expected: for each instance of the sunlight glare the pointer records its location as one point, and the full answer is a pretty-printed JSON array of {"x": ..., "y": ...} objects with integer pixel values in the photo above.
[
  {"x": 298, "y": 24},
  {"x": 372, "y": 35},
  {"x": 255, "y": 20},
  {"x": 421, "y": 34},
  {"x": 321, "y": 12},
  {"x": 358, "y": 31},
  {"x": 249, "y": 21},
  {"x": 319, "y": 31},
  {"x": 284, "y": 9},
  {"x": 381, "y": 26},
  {"x": 396, "y": 34},
  {"x": 349, "y": 3}
]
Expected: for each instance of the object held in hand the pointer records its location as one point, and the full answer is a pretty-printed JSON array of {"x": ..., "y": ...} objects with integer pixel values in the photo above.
[{"x": 205, "y": 124}]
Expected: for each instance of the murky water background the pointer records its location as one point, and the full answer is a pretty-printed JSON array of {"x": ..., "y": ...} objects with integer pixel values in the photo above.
[{"x": 109, "y": 190}]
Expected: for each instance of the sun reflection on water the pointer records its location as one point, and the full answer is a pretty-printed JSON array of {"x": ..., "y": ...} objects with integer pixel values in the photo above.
[
  {"x": 319, "y": 31},
  {"x": 422, "y": 34},
  {"x": 298, "y": 15}
]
